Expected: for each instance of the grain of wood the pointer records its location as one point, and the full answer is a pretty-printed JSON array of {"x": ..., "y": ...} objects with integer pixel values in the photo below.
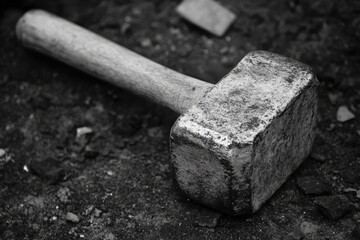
[{"x": 106, "y": 60}]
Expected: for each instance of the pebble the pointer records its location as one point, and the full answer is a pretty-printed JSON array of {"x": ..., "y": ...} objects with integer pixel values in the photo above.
[
  {"x": 2, "y": 153},
  {"x": 89, "y": 210},
  {"x": 63, "y": 194},
  {"x": 83, "y": 131},
  {"x": 308, "y": 228},
  {"x": 110, "y": 236},
  {"x": 207, "y": 218},
  {"x": 356, "y": 232},
  {"x": 155, "y": 132},
  {"x": 125, "y": 28},
  {"x": 334, "y": 207},
  {"x": 296, "y": 234},
  {"x": 351, "y": 174},
  {"x": 333, "y": 98},
  {"x": 90, "y": 153},
  {"x": 347, "y": 190},
  {"x": 146, "y": 42},
  {"x": 71, "y": 217},
  {"x": 313, "y": 185},
  {"x": 227, "y": 61},
  {"x": 343, "y": 114},
  {"x": 97, "y": 212},
  {"x": 318, "y": 157},
  {"x": 47, "y": 169}
]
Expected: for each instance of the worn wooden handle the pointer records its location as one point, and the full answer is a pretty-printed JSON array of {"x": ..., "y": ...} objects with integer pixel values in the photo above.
[{"x": 102, "y": 58}]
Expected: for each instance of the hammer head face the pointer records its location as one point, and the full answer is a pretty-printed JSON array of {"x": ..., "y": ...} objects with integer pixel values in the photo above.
[{"x": 234, "y": 148}]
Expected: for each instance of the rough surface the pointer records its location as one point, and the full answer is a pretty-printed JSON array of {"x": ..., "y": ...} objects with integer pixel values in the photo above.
[
  {"x": 238, "y": 144},
  {"x": 313, "y": 185},
  {"x": 334, "y": 207},
  {"x": 130, "y": 180}
]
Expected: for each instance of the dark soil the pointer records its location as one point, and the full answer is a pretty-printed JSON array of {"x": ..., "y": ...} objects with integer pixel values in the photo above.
[{"x": 117, "y": 180}]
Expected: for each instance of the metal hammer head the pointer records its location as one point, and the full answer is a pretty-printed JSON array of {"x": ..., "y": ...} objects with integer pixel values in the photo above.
[{"x": 234, "y": 148}]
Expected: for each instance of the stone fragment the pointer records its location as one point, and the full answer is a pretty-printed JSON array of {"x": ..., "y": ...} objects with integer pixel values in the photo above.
[
  {"x": 155, "y": 132},
  {"x": 89, "y": 210},
  {"x": 83, "y": 131},
  {"x": 110, "y": 236},
  {"x": 47, "y": 169},
  {"x": 207, "y": 218},
  {"x": 313, "y": 185},
  {"x": 296, "y": 234},
  {"x": 357, "y": 192},
  {"x": 308, "y": 228},
  {"x": 334, "y": 207},
  {"x": 90, "y": 153},
  {"x": 63, "y": 194},
  {"x": 97, "y": 212},
  {"x": 318, "y": 157},
  {"x": 71, "y": 217},
  {"x": 2, "y": 153},
  {"x": 351, "y": 174},
  {"x": 145, "y": 43},
  {"x": 207, "y": 14},
  {"x": 343, "y": 114}
]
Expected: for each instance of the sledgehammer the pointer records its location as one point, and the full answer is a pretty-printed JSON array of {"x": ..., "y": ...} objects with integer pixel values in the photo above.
[{"x": 236, "y": 142}]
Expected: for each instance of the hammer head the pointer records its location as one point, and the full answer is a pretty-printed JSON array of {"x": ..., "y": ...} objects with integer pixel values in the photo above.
[{"x": 234, "y": 148}]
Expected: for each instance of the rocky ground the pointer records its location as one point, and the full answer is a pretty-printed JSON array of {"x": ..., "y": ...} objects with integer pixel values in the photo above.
[{"x": 82, "y": 159}]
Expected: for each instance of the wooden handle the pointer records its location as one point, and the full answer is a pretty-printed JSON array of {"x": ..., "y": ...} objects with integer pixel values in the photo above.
[{"x": 102, "y": 58}]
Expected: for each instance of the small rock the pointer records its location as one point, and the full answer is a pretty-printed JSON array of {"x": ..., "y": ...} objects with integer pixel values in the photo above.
[
  {"x": 71, "y": 217},
  {"x": 313, "y": 185},
  {"x": 25, "y": 168},
  {"x": 83, "y": 137},
  {"x": 296, "y": 234},
  {"x": 207, "y": 14},
  {"x": 351, "y": 174},
  {"x": 207, "y": 218},
  {"x": 97, "y": 212},
  {"x": 343, "y": 114},
  {"x": 334, "y": 207},
  {"x": 89, "y": 210},
  {"x": 90, "y": 153},
  {"x": 224, "y": 50},
  {"x": 2, "y": 153},
  {"x": 146, "y": 42},
  {"x": 356, "y": 232},
  {"x": 110, "y": 236},
  {"x": 308, "y": 228},
  {"x": 47, "y": 169},
  {"x": 83, "y": 131},
  {"x": 227, "y": 61},
  {"x": 333, "y": 98},
  {"x": 63, "y": 194},
  {"x": 155, "y": 132},
  {"x": 125, "y": 28},
  {"x": 347, "y": 190},
  {"x": 318, "y": 157}
]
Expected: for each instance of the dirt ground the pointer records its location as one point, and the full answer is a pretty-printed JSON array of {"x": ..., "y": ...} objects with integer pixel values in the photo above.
[{"x": 116, "y": 181}]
